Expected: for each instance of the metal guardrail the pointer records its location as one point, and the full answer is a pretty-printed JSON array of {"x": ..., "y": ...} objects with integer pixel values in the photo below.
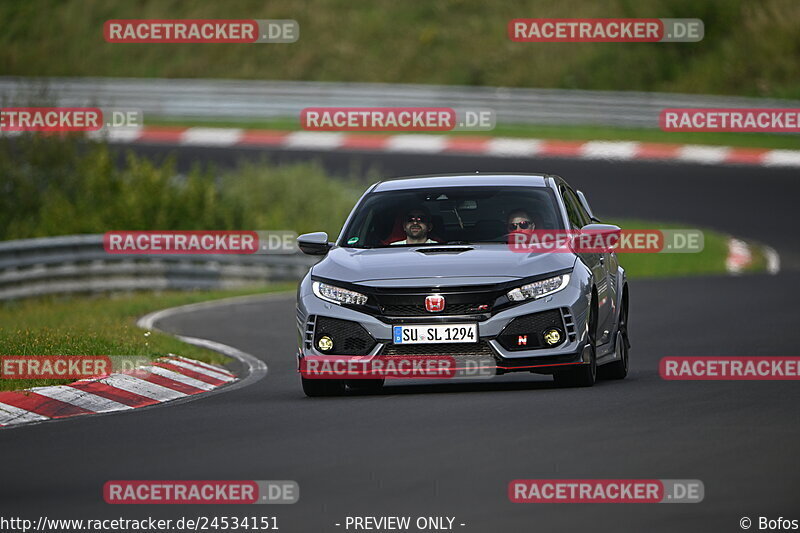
[
  {"x": 79, "y": 264},
  {"x": 248, "y": 100}
]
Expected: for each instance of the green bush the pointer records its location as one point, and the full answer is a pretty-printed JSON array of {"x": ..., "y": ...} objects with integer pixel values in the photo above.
[{"x": 61, "y": 186}]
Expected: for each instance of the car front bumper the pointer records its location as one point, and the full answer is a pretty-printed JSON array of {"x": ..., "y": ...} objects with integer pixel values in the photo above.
[{"x": 571, "y": 303}]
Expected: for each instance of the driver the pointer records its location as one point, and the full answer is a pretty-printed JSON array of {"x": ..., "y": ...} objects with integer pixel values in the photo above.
[
  {"x": 520, "y": 227},
  {"x": 417, "y": 225},
  {"x": 519, "y": 219}
]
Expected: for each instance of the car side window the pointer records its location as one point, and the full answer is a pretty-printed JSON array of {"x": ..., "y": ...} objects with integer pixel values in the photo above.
[
  {"x": 572, "y": 208},
  {"x": 582, "y": 213}
]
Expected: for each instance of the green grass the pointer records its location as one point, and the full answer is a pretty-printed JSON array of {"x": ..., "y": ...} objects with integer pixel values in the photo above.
[
  {"x": 99, "y": 326},
  {"x": 566, "y": 133},
  {"x": 708, "y": 262},
  {"x": 750, "y": 47}
]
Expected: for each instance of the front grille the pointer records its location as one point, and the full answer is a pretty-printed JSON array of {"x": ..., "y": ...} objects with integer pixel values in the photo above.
[
  {"x": 349, "y": 338},
  {"x": 456, "y": 349},
  {"x": 526, "y": 332},
  {"x": 475, "y": 300},
  {"x": 419, "y": 309}
]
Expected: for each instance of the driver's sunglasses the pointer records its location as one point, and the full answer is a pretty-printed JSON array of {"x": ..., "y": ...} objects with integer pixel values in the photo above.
[
  {"x": 417, "y": 219},
  {"x": 525, "y": 224}
]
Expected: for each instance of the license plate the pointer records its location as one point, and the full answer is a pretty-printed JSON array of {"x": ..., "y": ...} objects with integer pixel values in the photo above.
[{"x": 435, "y": 333}]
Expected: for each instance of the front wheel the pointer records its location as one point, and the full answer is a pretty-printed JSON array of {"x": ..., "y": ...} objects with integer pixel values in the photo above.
[{"x": 619, "y": 368}]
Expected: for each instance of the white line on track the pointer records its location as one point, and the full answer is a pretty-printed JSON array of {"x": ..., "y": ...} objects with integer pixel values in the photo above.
[{"x": 256, "y": 369}]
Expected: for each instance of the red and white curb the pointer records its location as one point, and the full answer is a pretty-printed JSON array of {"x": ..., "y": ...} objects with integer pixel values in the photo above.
[
  {"x": 740, "y": 256},
  {"x": 456, "y": 144},
  {"x": 165, "y": 379}
]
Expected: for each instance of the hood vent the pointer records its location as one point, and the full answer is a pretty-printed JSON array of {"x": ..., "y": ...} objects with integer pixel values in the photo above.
[{"x": 436, "y": 251}]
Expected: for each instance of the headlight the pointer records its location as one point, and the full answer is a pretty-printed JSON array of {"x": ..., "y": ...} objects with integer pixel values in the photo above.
[
  {"x": 337, "y": 295},
  {"x": 537, "y": 289}
]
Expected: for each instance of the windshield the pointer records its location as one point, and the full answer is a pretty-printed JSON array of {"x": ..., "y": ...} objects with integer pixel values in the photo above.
[{"x": 452, "y": 215}]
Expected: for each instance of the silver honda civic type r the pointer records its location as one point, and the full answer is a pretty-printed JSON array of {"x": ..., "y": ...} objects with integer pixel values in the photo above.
[{"x": 423, "y": 267}]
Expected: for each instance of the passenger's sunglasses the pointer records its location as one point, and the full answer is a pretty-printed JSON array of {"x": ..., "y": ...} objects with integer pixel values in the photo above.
[
  {"x": 417, "y": 219},
  {"x": 525, "y": 224}
]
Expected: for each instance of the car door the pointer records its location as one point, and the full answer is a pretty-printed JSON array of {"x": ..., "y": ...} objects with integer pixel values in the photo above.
[{"x": 599, "y": 263}]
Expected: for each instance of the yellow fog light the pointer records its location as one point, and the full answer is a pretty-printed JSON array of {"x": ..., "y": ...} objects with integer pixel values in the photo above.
[
  {"x": 325, "y": 343},
  {"x": 552, "y": 337}
]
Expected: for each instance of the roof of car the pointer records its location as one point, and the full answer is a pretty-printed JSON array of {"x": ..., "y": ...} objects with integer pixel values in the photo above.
[{"x": 461, "y": 180}]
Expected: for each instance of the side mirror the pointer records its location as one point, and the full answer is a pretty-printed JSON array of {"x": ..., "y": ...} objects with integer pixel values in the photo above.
[
  {"x": 585, "y": 203},
  {"x": 601, "y": 229},
  {"x": 314, "y": 243},
  {"x": 598, "y": 238}
]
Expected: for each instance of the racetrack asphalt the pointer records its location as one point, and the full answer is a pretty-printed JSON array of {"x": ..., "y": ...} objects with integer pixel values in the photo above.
[{"x": 450, "y": 449}]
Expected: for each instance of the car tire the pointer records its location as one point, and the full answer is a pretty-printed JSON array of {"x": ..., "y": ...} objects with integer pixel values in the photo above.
[
  {"x": 584, "y": 375},
  {"x": 619, "y": 368},
  {"x": 322, "y": 387}
]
